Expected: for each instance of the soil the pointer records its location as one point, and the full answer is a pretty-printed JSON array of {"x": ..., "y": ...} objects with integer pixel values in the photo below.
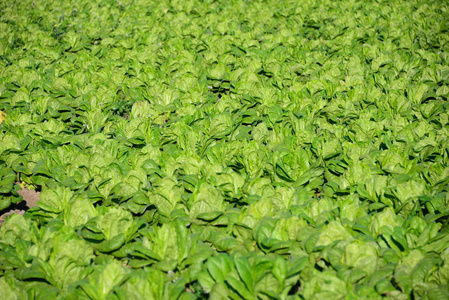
[{"x": 30, "y": 199}]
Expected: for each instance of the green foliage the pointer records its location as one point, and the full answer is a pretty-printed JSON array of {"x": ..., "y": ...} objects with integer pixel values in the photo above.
[{"x": 225, "y": 149}]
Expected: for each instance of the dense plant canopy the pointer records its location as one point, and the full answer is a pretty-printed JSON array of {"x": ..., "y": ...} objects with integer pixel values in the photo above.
[{"x": 225, "y": 149}]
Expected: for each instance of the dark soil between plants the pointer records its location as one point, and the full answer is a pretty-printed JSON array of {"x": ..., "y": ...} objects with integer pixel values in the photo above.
[{"x": 30, "y": 199}]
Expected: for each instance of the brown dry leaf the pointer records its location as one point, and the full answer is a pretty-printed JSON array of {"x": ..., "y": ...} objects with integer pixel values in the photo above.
[{"x": 2, "y": 116}]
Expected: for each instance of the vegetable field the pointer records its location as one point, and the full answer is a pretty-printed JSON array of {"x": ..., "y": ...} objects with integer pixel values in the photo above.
[{"x": 225, "y": 149}]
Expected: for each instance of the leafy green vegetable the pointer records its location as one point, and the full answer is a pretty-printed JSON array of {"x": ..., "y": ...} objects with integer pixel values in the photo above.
[{"x": 225, "y": 149}]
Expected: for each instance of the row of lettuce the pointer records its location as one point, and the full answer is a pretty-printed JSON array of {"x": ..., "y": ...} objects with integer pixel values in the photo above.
[{"x": 239, "y": 149}]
